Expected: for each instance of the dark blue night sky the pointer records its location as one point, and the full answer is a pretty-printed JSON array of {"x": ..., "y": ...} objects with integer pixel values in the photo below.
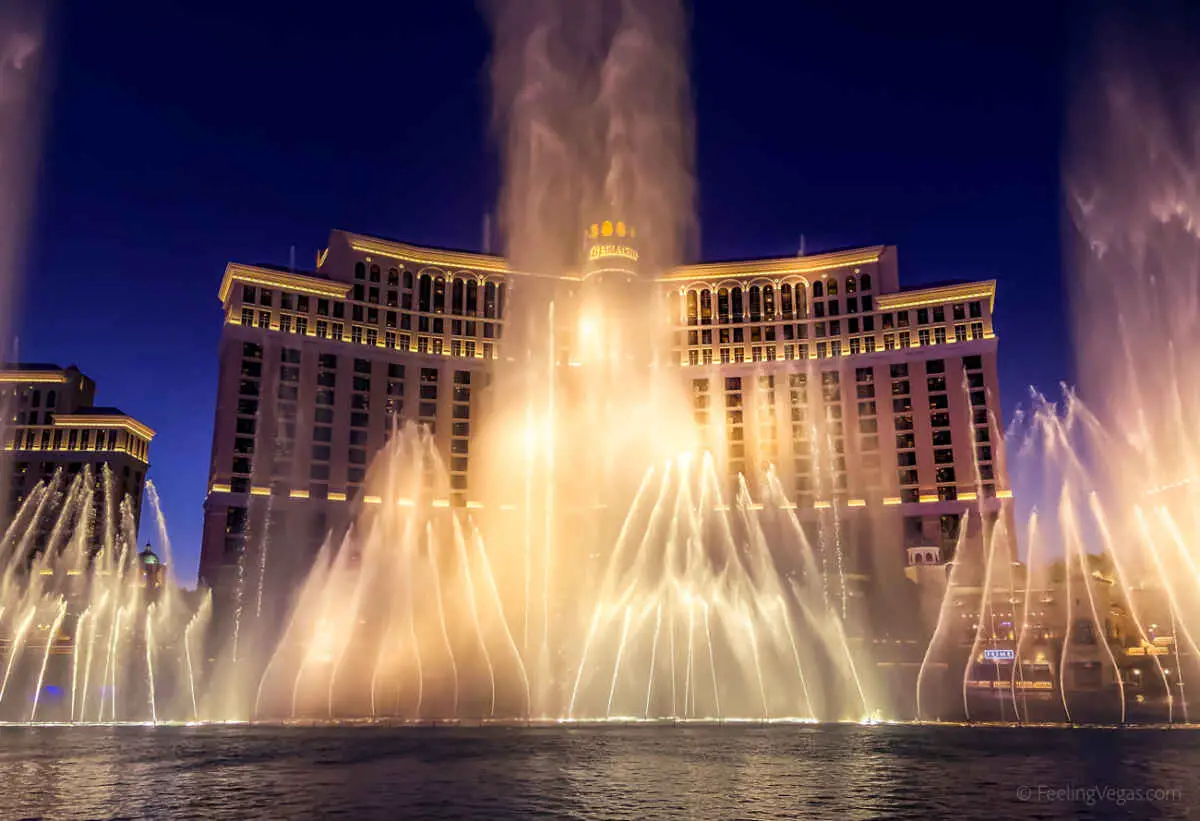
[{"x": 184, "y": 135}]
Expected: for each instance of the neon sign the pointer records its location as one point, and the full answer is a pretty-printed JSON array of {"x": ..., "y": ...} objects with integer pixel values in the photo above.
[{"x": 601, "y": 251}]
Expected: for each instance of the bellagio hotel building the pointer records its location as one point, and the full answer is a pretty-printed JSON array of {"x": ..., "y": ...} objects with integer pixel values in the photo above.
[{"x": 876, "y": 401}]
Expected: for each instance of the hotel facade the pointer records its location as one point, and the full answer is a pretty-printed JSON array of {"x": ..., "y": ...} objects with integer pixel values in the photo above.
[
  {"x": 876, "y": 401},
  {"x": 52, "y": 424}
]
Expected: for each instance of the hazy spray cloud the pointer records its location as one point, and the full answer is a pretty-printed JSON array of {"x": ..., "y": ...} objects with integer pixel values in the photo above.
[
  {"x": 593, "y": 113},
  {"x": 20, "y": 70},
  {"x": 1132, "y": 181}
]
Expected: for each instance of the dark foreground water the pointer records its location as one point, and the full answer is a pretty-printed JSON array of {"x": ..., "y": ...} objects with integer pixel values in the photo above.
[{"x": 628, "y": 772}]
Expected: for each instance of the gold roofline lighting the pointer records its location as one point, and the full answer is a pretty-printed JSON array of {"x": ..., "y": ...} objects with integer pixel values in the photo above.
[
  {"x": 253, "y": 275},
  {"x": 17, "y": 377},
  {"x": 985, "y": 289},
  {"x": 87, "y": 420},
  {"x": 781, "y": 266}
]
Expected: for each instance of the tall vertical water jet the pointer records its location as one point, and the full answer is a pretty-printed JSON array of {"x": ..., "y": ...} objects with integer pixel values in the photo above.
[{"x": 21, "y": 89}]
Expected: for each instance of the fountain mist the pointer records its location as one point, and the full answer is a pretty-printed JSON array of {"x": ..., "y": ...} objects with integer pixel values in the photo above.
[{"x": 612, "y": 568}]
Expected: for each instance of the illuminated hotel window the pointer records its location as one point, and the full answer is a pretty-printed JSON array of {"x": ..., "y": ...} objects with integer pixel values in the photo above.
[
  {"x": 905, "y": 339},
  {"x": 264, "y": 319},
  {"x": 939, "y": 336},
  {"x": 960, "y": 333},
  {"x": 889, "y": 342},
  {"x": 247, "y": 317},
  {"x": 301, "y": 325},
  {"x": 855, "y": 346},
  {"x": 322, "y": 328},
  {"x": 693, "y": 357},
  {"x": 372, "y": 337},
  {"x": 923, "y": 336},
  {"x": 724, "y": 356},
  {"x": 708, "y": 356},
  {"x": 835, "y": 347},
  {"x": 820, "y": 350},
  {"x": 977, "y": 330},
  {"x": 336, "y": 332}
]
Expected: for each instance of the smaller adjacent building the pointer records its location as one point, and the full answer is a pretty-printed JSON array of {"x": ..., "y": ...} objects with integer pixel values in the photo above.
[{"x": 49, "y": 420}]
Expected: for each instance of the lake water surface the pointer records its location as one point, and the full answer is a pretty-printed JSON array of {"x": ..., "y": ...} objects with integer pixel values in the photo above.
[{"x": 621, "y": 772}]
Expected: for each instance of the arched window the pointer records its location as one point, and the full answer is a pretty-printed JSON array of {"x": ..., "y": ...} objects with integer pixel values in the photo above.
[
  {"x": 723, "y": 306},
  {"x": 864, "y": 282},
  {"x": 393, "y": 277},
  {"x": 489, "y": 300},
  {"x": 472, "y": 297},
  {"x": 439, "y": 295},
  {"x": 831, "y": 288},
  {"x": 706, "y": 307},
  {"x": 374, "y": 273},
  {"x": 360, "y": 270},
  {"x": 920, "y": 558},
  {"x": 36, "y": 400},
  {"x": 801, "y": 301},
  {"x": 755, "y": 303},
  {"x": 425, "y": 293},
  {"x": 768, "y": 302},
  {"x": 739, "y": 310},
  {"x": 851, "y": 286},
  {"x": 692, "y": 308},
  {"x": 456, "y": 296},
  {"x": 817, "y": 291},
  {"x": 408, "y": 280},
  {"x": 785, "y": 300},
  {"x": 51, "y": 398},
  {"x": 500, "y": 293}
]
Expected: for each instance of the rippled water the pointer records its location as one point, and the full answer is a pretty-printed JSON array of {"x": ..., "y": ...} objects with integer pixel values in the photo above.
[{"x": 596, "y": 772}]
